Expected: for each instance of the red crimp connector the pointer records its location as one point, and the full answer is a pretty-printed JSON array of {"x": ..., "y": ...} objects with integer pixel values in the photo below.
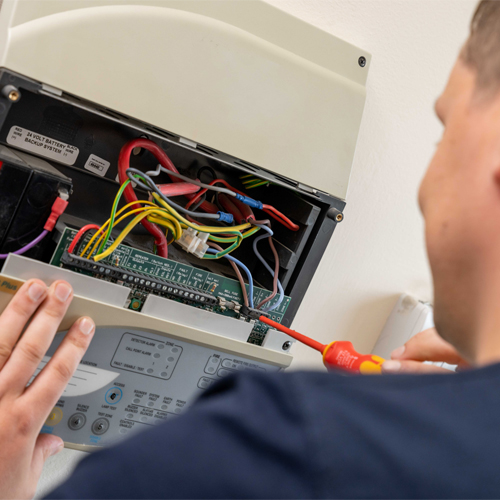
[{"x": 57, "y": 209}]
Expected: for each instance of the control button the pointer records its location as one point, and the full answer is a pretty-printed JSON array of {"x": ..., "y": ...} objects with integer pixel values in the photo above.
[
  {"x": 156, "y": 355},
  {"x": 55, "y": 416},
  {"x": 151, "y": 403},
  {"x": 160, "y": 346},
  {"x": 144, "y": 419},
  {"x": 174, "y": 349},
  {"x": 205, "y": 382},
  {"x": 178, "y": 410},
  {"x": 164, "y": 374},
  {"x": 170, "y": 359},
  {"x": 123, "y": 431},
  {"x": 113, "y": 395},
  {"x": 130, "y": 415},
  {"x": 77, "y": 421},
  {"x": 212, "y": 364},
  {"x": 164, "y": 407},
  {"x": 100, "y": 426},
  {"x": 223, "y": 372},
  {"x": 137, "y": 401},
  {"x": 227, "y": 363}
]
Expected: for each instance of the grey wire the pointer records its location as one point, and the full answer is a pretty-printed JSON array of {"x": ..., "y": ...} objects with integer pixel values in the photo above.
[
  {"x": 188, "y": 179},
  {"x": 130, "y": 174}
]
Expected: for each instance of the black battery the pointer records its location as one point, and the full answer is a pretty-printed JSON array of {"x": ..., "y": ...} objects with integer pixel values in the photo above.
[{"x": 28, "y": 188}]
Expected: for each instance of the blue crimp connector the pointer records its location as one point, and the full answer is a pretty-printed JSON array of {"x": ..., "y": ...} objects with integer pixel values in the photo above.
[
  {"x": 223, "y": 217},
  {"x": 249, "y": 201}
]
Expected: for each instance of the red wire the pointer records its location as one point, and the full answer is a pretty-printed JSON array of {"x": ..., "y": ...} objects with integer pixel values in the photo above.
[
  {"x": 130, "y": 196},
  {"x": 276, "y": 214},
  {"x": 79, "y": 234},
  {"x": 269, "y": 209}
]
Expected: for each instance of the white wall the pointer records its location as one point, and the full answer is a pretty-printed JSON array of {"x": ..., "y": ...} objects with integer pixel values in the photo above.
[{"x": 378, "y": 251}]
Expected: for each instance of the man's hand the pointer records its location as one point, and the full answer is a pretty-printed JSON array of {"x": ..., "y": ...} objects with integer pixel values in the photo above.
[
  {"x": 23, "y": 410},
  {"x": 425, "y": 346}
]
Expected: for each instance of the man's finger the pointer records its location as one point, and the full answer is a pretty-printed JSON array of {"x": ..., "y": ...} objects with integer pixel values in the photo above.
[
  {"x": 46, "y": 446},
  {"x": 20, "y": 309},
  {"x": 428, "y": 346},
  {"x": 37, "y": 338},
  {"x": 393, "y": 366},
  {"x": 49, "y": 385}
]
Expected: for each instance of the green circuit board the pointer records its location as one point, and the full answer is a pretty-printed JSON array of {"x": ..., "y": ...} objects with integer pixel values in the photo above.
[{"x": 128, "y": 258}]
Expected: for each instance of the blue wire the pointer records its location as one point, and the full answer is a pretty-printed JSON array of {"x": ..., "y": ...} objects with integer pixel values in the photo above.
[
  {"x": 267, "y": 266},
  {"x": 247, "y": 271}
]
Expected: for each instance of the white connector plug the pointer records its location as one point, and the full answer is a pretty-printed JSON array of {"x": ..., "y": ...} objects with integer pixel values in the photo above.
[{"x": 192, "y": 243}]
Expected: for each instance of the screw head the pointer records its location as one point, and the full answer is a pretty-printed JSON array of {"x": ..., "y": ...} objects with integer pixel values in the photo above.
[
  {"x": 14, "y": 95},
  {"x": 287, "y": 345},
  {"x": 339, "y": 218},
  {"x": 362, "y": 61}
]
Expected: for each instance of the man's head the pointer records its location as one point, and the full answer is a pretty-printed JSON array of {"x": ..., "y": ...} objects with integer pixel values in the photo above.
[{"x": 460, "y": 194}]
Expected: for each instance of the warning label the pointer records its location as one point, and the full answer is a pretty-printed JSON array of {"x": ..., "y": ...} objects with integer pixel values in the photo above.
[
  {"x": 97, "y": 165},
  {"x": 42, "y": 145}
]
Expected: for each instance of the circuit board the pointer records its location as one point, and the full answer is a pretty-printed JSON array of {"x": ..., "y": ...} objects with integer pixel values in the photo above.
[{"x": 215, "y": 285}]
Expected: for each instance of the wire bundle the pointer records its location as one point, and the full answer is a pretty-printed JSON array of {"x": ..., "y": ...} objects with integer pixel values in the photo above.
[{"x": 161, "y": 211}]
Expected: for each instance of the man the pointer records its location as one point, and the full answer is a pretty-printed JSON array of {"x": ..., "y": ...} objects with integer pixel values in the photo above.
[{"x": 306, "y": 435}]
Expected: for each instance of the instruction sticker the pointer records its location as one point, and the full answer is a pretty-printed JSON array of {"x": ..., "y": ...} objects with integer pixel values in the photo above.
[
  {"x": 42, "y": 145},
  {"x": 97, "y": 165}
]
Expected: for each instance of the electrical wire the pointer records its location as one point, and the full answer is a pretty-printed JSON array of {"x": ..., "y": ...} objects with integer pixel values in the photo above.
[
  {"x": 129, "y": 193},
  {"x": 247, "y": 271},
  {"x": 191, "y": 181},
  {"x": 113, "y": 212},
  {"x": 269, "y": 209},
  {"x": 27, "y": 247},
  {"x": 105, "y": 225},
  {"x": 236, "y": 271},
  {"x": 268, "y": 267},
  {"x": 151, "y": 186},
  {"x": 79, "y": 236},
  {"x": 207, "y": 229},
  {"x": 138, "y": 218},
  {"x": 265, "y": 224}
]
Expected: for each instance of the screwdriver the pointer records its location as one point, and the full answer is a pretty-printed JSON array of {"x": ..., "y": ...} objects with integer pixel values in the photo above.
[{"x": 338, "y": 354}]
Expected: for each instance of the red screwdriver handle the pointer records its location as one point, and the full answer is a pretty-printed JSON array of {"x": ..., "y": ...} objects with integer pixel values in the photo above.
[{"x": 341, "y": 354}]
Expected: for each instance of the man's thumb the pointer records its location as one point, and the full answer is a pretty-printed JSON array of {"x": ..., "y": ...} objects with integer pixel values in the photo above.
[{"x": 46, "y": 445}]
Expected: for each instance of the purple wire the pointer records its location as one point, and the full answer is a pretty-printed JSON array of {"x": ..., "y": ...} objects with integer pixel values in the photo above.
[{"x": 28, "y": 246}]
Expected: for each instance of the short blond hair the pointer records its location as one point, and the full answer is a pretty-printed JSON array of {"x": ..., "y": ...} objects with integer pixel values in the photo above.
[{"x": 482, "y": 50}]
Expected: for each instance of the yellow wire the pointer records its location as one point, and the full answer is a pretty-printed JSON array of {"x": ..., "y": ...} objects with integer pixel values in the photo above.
[
  {"x": 117, "y": 221},
  {"x": 203, "y": 229},
  {"x": 127, "y": 230},
  {"x": 105, "y": 225},
  {"x": 175, "y": 228}
]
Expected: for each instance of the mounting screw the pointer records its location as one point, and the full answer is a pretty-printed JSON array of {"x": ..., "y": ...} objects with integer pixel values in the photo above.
[
  {"x": 11, "y": 93},
  {"x": 362, "y": 61},
  {"x": 339, "y": 217},
  {"x": 287, "y": 345}
]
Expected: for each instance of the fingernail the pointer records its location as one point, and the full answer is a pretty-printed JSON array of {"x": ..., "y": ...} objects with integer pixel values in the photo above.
[
  {"x": 87, "y": 326},
  {"x": 391, "y": 366},
  {"x": 63, "y": 291},
  {"x": 35, "y": 291},
  {"x": 56, "y": 448},
  {"x": 397, "y": 353}
]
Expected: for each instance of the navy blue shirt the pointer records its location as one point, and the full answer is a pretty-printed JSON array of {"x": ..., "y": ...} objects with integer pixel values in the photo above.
[{"x": 314, "y": 435}]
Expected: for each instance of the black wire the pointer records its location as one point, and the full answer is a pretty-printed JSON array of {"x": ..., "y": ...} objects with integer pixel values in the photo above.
[{"x": 199, "y": 202}]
